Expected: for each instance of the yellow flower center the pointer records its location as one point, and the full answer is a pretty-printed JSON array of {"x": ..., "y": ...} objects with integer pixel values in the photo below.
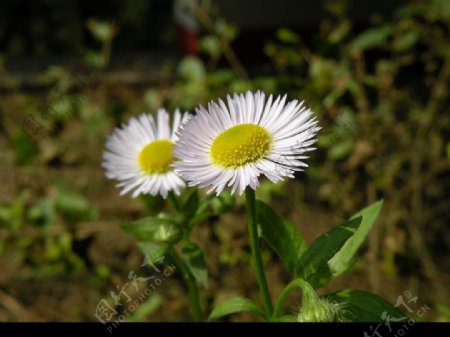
[
  {"x": 156, "y": 157},
  {"x": 241, "y": 144}
]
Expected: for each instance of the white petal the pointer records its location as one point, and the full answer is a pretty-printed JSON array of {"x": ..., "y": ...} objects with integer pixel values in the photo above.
[{"x": 120, "y": 158}]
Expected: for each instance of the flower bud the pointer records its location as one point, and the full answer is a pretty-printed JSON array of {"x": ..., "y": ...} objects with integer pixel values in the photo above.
[
  {"x": 318, "y": 310},
  {"x": 313, "y": 308}
]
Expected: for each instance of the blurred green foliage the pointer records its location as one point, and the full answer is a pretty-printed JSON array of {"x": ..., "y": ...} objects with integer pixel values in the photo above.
[{"x": 35, "y": 231}]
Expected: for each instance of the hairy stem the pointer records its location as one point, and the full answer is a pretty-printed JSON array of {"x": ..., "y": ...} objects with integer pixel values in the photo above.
[{"x": 256, "y": 251}]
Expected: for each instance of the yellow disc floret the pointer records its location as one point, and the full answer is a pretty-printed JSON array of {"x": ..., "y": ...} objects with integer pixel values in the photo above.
[
  {"x": 156, "y": 157},
  {"x": 241, "y": 144}
]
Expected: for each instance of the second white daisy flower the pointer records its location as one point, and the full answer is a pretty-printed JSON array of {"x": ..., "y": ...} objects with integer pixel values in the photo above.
[
  {"x": 231, "y": 145},
  {"x": 139, "y": 155}
]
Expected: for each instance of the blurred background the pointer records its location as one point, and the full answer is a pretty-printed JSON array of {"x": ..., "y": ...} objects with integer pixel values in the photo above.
[{"x": 376, "y": 74}]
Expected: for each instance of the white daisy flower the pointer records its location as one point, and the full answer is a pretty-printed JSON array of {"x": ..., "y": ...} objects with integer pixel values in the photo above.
[
  {"x": 139, "y": 155},
  {"x": 232, "y": 145}
]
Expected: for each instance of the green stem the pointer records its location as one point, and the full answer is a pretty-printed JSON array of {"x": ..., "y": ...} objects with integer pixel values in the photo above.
[
  {"x": 307, "y": 292},
  {"x": 174, "y": 201},
  {"x": 256, "y": 251},
  {"x": 187, "y": 275},
  {"x": 191, "y": 284}
]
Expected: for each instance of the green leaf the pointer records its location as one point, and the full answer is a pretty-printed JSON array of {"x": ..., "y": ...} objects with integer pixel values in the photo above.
[
  {"x": 285, "y": 318},
  {"x": 406, "y": 41},
  {"x": 220, "y": 77},
  {"x": 101, "y": 30},
  {"x": 287, "y": 36},
  {"x": 372, "y": 38},
  {"x": 147, "y": 308},
  {"x": 94, "y": 59},
  {"x": 225, "y": 29},
  {"x": 213, "y": 205},
  {"x": 191, "y": 68},
  {"x": 234, "y": 305},
  {"x": 25, "y": 149},
  {"x": 196, "y": 263},
  {"x": 438, "y": 10},
  {"x": 42, "y": 212},
  {"x": 332, "y": 253},
  {"x": 201, "y": 214},
  {"x": 281, "y": 235},
  {"x": 341, "y": 261},
  {"x": 362, "y": 306},
  {"x": 191, "y": 205},
  {"x": 313, "y": 265},
  {"x": 74, "y": 205},
  {"x": 71, "y": 203},
  {"x": 211, "y": 45},
  {"x": 223, "y": 203},
  {"x": 340, "y": 32},
  {"x": 162, "y": 228},
  {"x": 341, "y": 149},
  {"x": 153, "y": 251},
  {"x": 152, "y": 203}
]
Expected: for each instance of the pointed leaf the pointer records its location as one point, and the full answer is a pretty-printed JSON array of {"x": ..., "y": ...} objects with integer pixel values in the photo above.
[
  {"x": 191, "y": 205},
  {"x": 281, "y": 235},
  {"x": 153, "y": 252},
  {"x": 343, "y": 258},
  {"x": 146, "y": 309},
  {"x": 162, "y": 228},
  {"x": 372, "y": 38},
  {"x": 235, "y": 305},
  {"x": 196, "y": 263},
  {"x": 362, "y": 306},
  {"x": 313, "y": 265},
  {"x": 211, "y": 206}
]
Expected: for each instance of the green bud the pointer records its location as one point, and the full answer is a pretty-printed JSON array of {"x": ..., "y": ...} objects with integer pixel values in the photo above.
[
  {"x": 318, "y": 310},
  {"x": 315, "y": 309}
]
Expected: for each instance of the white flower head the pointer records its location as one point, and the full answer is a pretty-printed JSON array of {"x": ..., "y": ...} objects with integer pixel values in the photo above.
[
  {"x": 139, "y": 154},
  {"x": 231, "y": 145}
]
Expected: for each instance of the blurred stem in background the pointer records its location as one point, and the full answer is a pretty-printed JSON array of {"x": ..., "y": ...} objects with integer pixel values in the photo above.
[
  {"x": 104, "y": 32},
  {"x": 204, "y": 18}
]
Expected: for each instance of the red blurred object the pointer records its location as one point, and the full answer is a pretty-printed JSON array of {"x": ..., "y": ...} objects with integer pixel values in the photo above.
[
  {"x": 187, "y": 41},
  {"x": 188, "y": 28}
]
